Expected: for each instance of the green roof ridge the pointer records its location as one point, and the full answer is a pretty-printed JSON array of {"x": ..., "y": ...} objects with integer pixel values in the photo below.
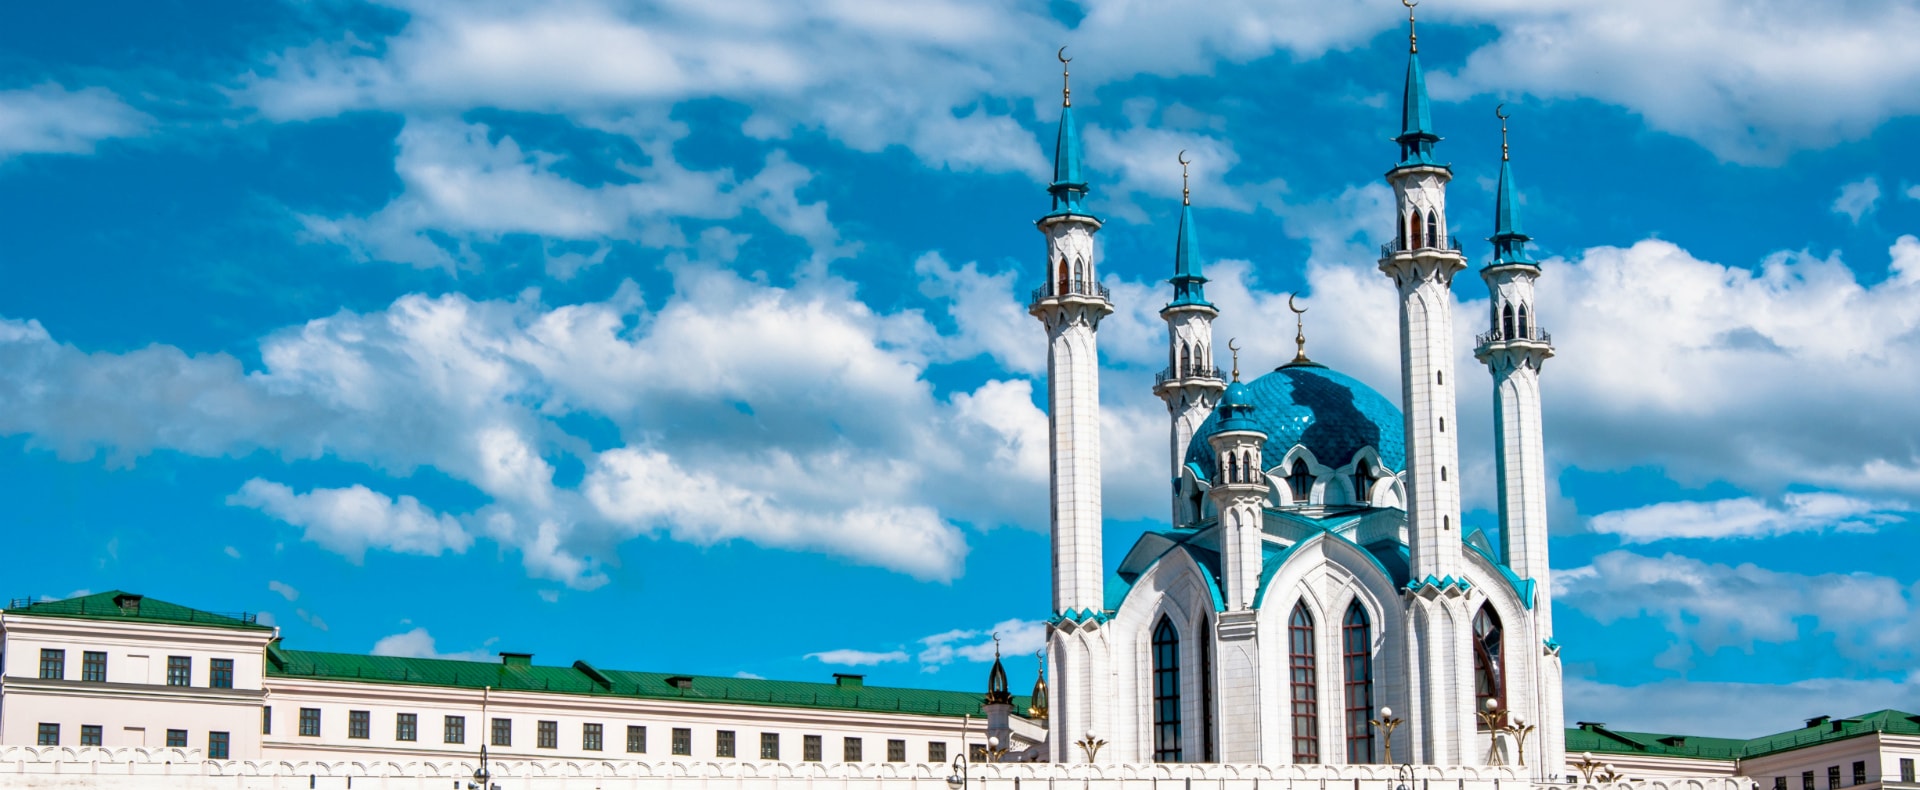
[
  {"x": 1601, "y": 739},
  {"x": 133, "y": 607}
]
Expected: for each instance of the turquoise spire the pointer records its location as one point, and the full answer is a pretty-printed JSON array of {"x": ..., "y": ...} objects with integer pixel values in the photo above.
[
  {"x": 1509, "y": 243},
  {"x": 1416, "y": 137},
  {"x": 1188, "y": 284},
  {"x": 1069, "y": 188}
]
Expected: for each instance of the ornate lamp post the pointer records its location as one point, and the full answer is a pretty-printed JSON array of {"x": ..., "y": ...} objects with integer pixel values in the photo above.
[
  {"x": 1490, "y": 719},
  {"x": 1595, "y": 772},
  {"x": 1519, "y": 730},
  {"x": 1387, "y": 722},
  {"x": 1090, "y": 746},
  {"x": 958, "y": 779},
  {"x": 996, "y": 750}
]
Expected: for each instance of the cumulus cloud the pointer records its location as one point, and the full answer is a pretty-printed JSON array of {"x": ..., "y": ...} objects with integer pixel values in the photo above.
[
  {"x": 1747, "y": 517},
  {"x": 1732, "y": 710},
  {"x": 348, "y": 521},
  {"x": 1017, "y": 638},
  {"x": 1857, "y": 199},
  {"x": 858, "y": 658},
  {"x": 418, "y": 643},
  {"x": 1873, "y": 621},
  {"x": 51, "y": 119}
]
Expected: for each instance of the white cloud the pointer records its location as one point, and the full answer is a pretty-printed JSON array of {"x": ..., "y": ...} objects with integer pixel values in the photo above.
[
  {"x": 1731, "y": 710},
  {"x": 50, "y": 118},
  {"x": 1017, "y": 638},
  {"x": 284, "y": 589},
  {"x": 1747, "y": 517},
  {"x": 858, "y": 658},
  {"x": 1913, "y": 192},
  {"x": 348, "y": 521},
  {"x": 232, "y": 552},
  {"x": 417, "y": 643},
  {"x": 745, "y": 675},
  {"x": 1858, "y": 198},
  {"x": 1873, "y": 620}
]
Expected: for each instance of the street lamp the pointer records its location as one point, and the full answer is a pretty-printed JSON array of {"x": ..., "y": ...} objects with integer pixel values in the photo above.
[
  {"x": 1519, "y": 730},
  {"x": 958, "y": 779},
  {"x": 1090, "y": 746},
  {"x": 1387, "y": 722},
  {"x": 1490, "y": 719},
  {"x": 481, "y": 776},
  {"x": 996, "y": 750},
  {"x": 1595, "y": 772}
]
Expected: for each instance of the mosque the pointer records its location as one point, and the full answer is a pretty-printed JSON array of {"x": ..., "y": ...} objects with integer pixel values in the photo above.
[{"x": 1315, "y": 598}]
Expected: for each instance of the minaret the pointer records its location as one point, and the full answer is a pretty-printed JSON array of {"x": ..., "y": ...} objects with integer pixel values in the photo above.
[
  {"x": 1070, "y": 304},
  {"x": 1422, "y": 261},
  {"x": 1190, "y": 385},
  {"x": 1239, "y": 494},
  {"x": 1513, "y": 349}
]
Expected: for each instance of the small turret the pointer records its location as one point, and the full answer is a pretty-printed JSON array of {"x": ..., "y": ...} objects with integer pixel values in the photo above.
[
  {"x": 1239, "y": 490},
  {"x": 1037, "y": 701}
]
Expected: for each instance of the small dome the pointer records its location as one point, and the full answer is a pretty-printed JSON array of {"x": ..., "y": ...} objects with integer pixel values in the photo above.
[{"x": 1331, "y": 413}]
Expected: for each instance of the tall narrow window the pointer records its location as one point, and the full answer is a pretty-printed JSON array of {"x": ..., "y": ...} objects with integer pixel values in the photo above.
[
  {"x": 1433, "y": 229},
  {"x": 360, "y": 724},
  {"x": 1247, "y": 471},
  {"x": 546, "y": 735},
  {"x": 1523, "y": 322},
  {"x": 1206, "y": 690},
  {"x": 1506, "y": 323},
  {"x": 1357, "y": 650},
  {"x": 1062, "y": 290},
  {"x": 454, "y": 729},
  {"x": 723, "y": 743},
  {"x": 1306, "y": 701},
  {"x": 406, "y": 726},
  {"x": 682, "y": 741},
  {"x": 769, "y": 746},
  {"x": 1186, "y": 360},
  {"x": 1300, "y": 481},
  {"x": 503, "y": 732},
  {"x": 636, "y": 739},
  {"x": 810, "y": 748},
  {"x": 1489, "y": 663},
  {"x": 1079, "y": 276},
  {"x": 1417, "y": 238},
  {"x": 1166, "y": 692},
  {"x": 1362, "y": 483},
  {"x": 310, "y": 722},
  {"x": 1233, "y": 476}
]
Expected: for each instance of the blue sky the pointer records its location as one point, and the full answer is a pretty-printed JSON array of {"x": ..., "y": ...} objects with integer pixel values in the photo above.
[{"x": 689, "y": 336}]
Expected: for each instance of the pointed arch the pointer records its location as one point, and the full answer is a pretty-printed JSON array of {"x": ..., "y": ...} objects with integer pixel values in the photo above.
[
  {"x": 1362, "y": 483},
  {"x": 1079, "y": 276},
  {"x": 1233, "y": 468},
  {"x": 1061, "y": 290},
  {"x": 1356, "y": 641},
  {"x": 1166, "y": 692},
  {"x": 1506, "y": 322},
  {"x": 1523, "y": 322},
  {"x": 1204, "y": 639},
  {"x": 1300, "y": 481},
  {"x": 1433, "y": 228},
  {"x": 1303, "y": 684},
  {"x": 1418, "y": 240},
  {"x": 1186, "y": 360},
  {"x": 1246, "y": 466},
  {"x": 1489, "y": 662}
]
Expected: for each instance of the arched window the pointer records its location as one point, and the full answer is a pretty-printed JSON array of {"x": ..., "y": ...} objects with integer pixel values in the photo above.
[
  {"x": 1166, "y": 692},
  {"x": 1206, "y": 691},
  {"x": 1362, "y": 482},
  {"x": 1306, "y": 700},
  {"x": 1417, "y": 244},
  {"x": 1300, "y": 481},
  {"x": 1489, "y": 663},
  {"x": 1357, "y": 650},
  {"x": 1062, "y": 289},
  {"x": 1523, "y": 321},
  {"x": 1246, "y": 467},
  {"x": 1506, "y": 323},
  {"x": 1433, "y": 230},
  {"x": 1079, "y": 276}
]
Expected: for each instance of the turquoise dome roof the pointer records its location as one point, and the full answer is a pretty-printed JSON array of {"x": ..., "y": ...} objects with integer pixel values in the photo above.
[{"x": 1331, "y": 413}]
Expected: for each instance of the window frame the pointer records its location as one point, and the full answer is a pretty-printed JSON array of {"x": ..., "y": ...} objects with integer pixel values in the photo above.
[
  {"x": 681, "y": 742},
  {"x": 937, "y": 752},
  {"x": 92, "y": 735},
  {"x": 896, "y": 750},
  {"x": 1489, "y": 665},
  {"x": 406, "y": 727},
  {"x": 593, "y": 736},
  {"x": 1303, "y": 675},
  {"x": 93, "y": 666},
  {"x": 1859, "y": 772},
  {"x": 636, "y": 739},
  {"x": 219, "y": 745},
  {"x": 178, "y": 739},
  {"x": 546, "y": 734},
  {"x": 1833, "y": 777},
  {"x": 501, "y": 732},
  {"x": 453, "y": 729},
  {"x": 1165, "y": 654},
  {"x": 1906, "y": 769},
  {"x": 769, "y": 746},
  {"x": 724, "y": 743},
  {"x": 360, "y": 725},
  {"x": 220, "y": 673},
  {"x": 812, "y": 748},
  {"x": 310, "y": 716},
  {"x": 180, "y": 671},
  {"x": 53, "y": 663},
  {"x": 852, "y": 749},
  {"x": 48, "y": 734},
  {"x": 1356, "y": 642}
]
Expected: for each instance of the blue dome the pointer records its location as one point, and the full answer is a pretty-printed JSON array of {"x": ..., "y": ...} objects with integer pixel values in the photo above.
[{"x": 1331, "y": 413}]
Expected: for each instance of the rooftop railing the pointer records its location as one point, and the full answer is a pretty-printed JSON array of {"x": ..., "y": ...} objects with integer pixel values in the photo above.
[
  {"x": 1191, "y": 372},
  {"x": 1071, "y": 288},
  {"x": 1533, "y": 334},
  {"x": 1395, "y": 247}
]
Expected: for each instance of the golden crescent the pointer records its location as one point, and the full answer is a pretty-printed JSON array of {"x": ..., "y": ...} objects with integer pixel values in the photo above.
[
  {"x": 1498, "y": 111},
  {"x": 1230, "y": 344},
  {"x": 1062, "y": 55},
  {"x": 1291, "y": 307},
  {"x": 1183, "y": 157},
  {"x": 1409, "y": 3}
]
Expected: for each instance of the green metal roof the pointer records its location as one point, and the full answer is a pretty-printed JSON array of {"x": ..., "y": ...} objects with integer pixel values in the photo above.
[
  {"x": 124, "y": 606},
  {"x": 585, "y": 679},
  {"x": 1599, "y": 739}
]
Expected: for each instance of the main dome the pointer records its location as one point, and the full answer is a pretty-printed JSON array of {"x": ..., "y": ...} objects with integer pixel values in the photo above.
[{"x": 1331, "y": 413}]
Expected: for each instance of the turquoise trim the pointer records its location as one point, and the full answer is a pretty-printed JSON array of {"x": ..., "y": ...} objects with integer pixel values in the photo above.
[
  {"x": 1207, "y": 560},
  {"x": 1416, "y": 137},
  {"x": 1509, "y": 243},
  {"x": 1078, "y": 616},
  {"x": 1522, "y": 588},
  {"x": 1069, "y": 187},
  {"x": 1441, "y": 583}
]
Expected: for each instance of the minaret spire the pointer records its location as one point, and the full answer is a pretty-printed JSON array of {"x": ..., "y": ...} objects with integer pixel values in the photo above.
[
  {"x": 1299, "y": 334},
  {"x": 1069, "y": 187},
  {"x": 1509, "y": 243},
  {"x": 1190, "y": 385},
  {"x": 1416, "y": 136}
]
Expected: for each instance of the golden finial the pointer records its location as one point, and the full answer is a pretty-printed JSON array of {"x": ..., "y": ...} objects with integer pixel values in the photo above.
[
  {"x": 1236, "y": 356},
  {"x": 1185, "y": 197},
  {"x": 1499, "y": 111},
  {"x": 1066, "y": 88},
  {"x": 1413, "y": 33},
  {"x": 1299, "y": 332}
]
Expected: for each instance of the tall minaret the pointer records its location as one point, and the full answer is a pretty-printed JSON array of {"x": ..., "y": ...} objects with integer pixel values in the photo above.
[
  {"x": 1422, "y": 262},
  {"x": 1513, "y": 349},
  {"x": 1190, "y": 385},
  {"x": 1070, "y": 304}
]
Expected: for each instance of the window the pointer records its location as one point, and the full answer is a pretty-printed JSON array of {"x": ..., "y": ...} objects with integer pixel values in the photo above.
[
  {"x": 810, "y": 748},
  {"x": 1362, "y": 482},
  {"x": 1906, "y": 769},
  {"x": 1186, "y": 360},
  {"x": 1859, "y": 772},
  {"x": 1357, "y": 652},
  {"x": 1443, "y": 429},
  {"x": 682, "y": 741},
  {"x": 937, "y": 752},
  {"x": 1418, "y": 240},
  {"x": 1506, "y": 323},
  {"x": 896, "y": 750},
  {"x": 1166, "y": 692},
  {"x": 723, "y": 743},
  {"x": 1433, "y": 229},
  {"x": 1489, "y": 666},
  {"x": 1806, "y": 780},
  {"x": 53, "y": 664},
  {"x": 49, "y": 733},
  {"x": 1833, "y": 777},
  {"x": 977, "y": 753},
  {"x": 406, "y": 727},
  {"x": 217, "y": 745},
  {"x": 1443, "y": 470},
  {"x": 503, "y": 732},
  {"x": 454, "y": 729},
  {"x": 1306, "y": 700},
  {"x": 89, "y": 735},
  {"x": 359, "y": 724},
  {"x": 179, "y": 670},
  {"x": 266, "y": 720},
  {"x": 546, "y": 734},
  {"x": 769, "y": 746},
  {"x": 1523, "y": 322},
  {"x": 220, "y": 673},
  {"x": 636, "y": 739},
  {"x": 310, "y": 721},
  {"x": 1300, "y": 481},
  {"x": 1779, "y": 783},
  {"x": 1206, "y": 691},
  {"x": 590, "y": 737},
  {"x": 177, "y": 739},
  {"x": 850, "y": 750},
  {"x": 93, "y": 666}
]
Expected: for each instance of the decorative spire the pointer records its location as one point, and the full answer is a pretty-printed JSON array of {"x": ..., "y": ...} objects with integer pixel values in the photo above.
[
  {"x": 1188, "y": 284},
  {"x": 1037, "y": 701},
  {"x": 1509, "y": 243},
  {"x": 1413, "y": 33},
  {"x": 1236, "y": 356},
  {"x": 1068, "y": 187},
  {"x": 1299, "y": 333},
  {"x": 1416, "y": 137},
  {"x": 997, "y": 693}
]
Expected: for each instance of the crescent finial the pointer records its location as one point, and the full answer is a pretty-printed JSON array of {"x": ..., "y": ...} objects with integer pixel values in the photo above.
[
  {"x": 1185, "y": 196},
  {"x": 1413, "y": 35},
  {"x": 1499, "y": 111},
  {"x": 1182, "y": 158},
  {"x": 1231, "y": 346},
  {"x": 1062, "y": 55},
  {"x": 1299, "y": 332},
  {"x": 1296, "y": 310},
  {"x": 1066, "y": 86}
]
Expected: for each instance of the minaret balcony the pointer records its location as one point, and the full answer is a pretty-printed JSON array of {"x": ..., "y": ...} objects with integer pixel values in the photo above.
[
  {"x": 1532, "y": 334},
  {"x": 1069, "y": 290},
  {"x": 1397, "y": 247},
  {"x": 1173, "y": 376}
]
